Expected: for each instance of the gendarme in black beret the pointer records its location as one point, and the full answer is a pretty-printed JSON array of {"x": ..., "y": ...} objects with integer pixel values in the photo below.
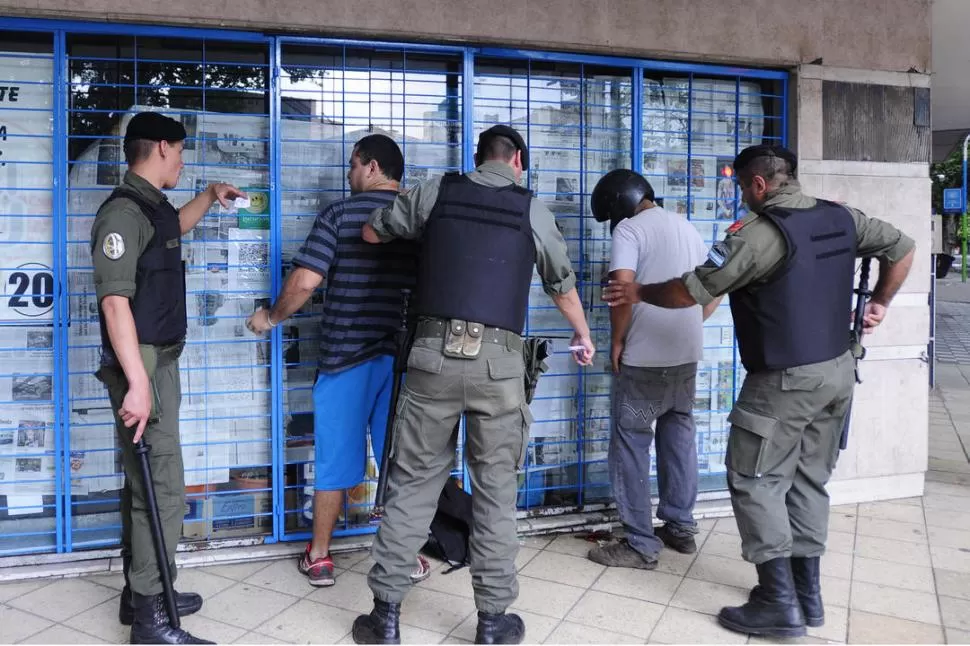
[
  {"x": 751, "y": 153},
  {"x": 505, "y": 131},
  {"x": 154, "y": 127}
]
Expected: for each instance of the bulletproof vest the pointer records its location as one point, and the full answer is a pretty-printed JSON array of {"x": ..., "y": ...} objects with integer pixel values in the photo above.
[
  {"x": 800, "y": 315},
  {"x": 158, "y": 306},
  {"x": 478, "y": 254}
]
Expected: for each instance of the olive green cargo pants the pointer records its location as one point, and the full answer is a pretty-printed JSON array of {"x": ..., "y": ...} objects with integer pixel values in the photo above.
[
  {"x": 165, "y": 458},
  {"x": 782, "y": 449},
  {"x": 489, "y": 389}
]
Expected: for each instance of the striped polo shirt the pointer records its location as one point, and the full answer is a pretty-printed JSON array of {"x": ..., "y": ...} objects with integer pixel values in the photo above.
[{"x": 363, "y": 290}]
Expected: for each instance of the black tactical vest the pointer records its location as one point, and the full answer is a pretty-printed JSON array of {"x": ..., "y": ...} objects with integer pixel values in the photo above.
[
  {"x": 478, "y": 254},
  {"x": 158, "y": 306},
  {"x": 801, "y": 314}
]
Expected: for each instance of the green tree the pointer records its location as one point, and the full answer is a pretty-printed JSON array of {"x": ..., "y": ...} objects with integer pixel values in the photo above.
[{"x": 946, "y": 174}]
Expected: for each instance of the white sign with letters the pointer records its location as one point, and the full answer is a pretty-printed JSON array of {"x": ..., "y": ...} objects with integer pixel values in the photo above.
[{"x": 26, "y": 182}]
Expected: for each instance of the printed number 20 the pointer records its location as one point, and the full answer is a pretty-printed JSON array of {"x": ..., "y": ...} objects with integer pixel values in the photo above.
[{"x": 41, "y": 288}]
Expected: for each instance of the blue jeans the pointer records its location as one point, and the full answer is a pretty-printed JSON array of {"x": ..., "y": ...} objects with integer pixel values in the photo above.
[{"x": 642, "y": 396}]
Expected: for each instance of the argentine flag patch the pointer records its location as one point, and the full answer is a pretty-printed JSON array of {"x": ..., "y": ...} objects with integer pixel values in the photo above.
[{"x": 718, "y": 254}]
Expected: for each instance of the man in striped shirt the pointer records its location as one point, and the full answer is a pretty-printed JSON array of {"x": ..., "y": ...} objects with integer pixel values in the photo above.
[{"x": 362, "y": 311}]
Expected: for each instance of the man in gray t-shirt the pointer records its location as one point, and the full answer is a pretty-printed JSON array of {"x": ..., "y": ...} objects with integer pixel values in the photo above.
[{"x": 654, "y": 355}]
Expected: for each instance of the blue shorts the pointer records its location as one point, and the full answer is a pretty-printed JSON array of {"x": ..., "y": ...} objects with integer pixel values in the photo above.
[{"x": 345, "y": 403}]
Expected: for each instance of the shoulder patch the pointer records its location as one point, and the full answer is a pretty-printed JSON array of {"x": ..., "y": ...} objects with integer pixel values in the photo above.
[
  {"x": 718, "y": 254},
  {"x": 113, "y": 246},
  {"x": 737, "y": 226}
]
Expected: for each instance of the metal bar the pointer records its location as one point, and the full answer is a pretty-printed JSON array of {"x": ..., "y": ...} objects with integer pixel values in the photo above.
[
  {"x": 468, "y": 110},
  {"x": 370, "y": 44},
  {"x": 277, "y": 431},
  {"x": 619, "y": 61},
  {"x": 62, "y": 484},
  {"x": 690, "y": 138},
  {"x": 581, "y": 372},
  {"x": 963, "y": 216},
  {"x": 636, "y": 134}
]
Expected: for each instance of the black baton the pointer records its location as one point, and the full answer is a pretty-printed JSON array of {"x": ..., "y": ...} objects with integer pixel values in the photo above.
[
  {"x": 161, "y": 554},
  {"x": 400, "y": 366},
  {"x": 858, "y": 350}
]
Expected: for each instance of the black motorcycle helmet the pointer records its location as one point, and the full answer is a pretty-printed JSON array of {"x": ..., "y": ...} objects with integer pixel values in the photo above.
[{"x": 617, "y": 195}]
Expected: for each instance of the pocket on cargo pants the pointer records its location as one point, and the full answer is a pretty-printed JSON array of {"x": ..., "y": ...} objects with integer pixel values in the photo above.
[{"x": 749, "y": 443}]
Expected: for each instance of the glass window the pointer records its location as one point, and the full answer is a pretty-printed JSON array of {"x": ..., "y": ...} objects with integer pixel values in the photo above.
[
  {"x": 577, "y": 123},
  {"x": 332, "y": 97},
  {"x": 219, "y": 91},
  {"x": 693, "y": 126},
  {"x": 28, "y": 462}
]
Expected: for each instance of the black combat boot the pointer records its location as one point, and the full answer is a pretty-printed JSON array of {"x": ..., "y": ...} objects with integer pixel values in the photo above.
[
  {"x": 805, "y": 571},
  {"x": 380, "y": 626},
  {"x": 499, "y": 629},
  {"x": 188, "y": 602},
  {"x": 151, "y": 626},
  {"x": 773, "y": 609}
]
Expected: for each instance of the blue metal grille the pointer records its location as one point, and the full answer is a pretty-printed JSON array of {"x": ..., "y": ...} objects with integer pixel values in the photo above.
[
  {"x": 219, "y": 91},
  {"x": 29, "y": 475},
  {"x": 693, "y": 125},
  {"x": 331, "y": 96},
  {"x": 278, "y": 117}
]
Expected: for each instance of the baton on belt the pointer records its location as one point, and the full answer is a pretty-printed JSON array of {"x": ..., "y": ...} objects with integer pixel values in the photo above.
[
  {"x": 161, "y": 554},
  {"x": 862, "y": 293},
  {"x": 403, "y": 342}
]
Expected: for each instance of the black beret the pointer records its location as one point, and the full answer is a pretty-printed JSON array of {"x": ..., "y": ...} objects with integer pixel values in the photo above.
[
  {"x": 751, "y": 153},
  {"x": 504, "y": 131},
  {"x": 154, "y": 127}
]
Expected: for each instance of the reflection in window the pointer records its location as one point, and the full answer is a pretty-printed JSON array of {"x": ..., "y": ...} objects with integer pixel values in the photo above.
[
  {"x": 577, "y": 123},
  {"x": 219, "y": 91},
  {"x": 331, "y": 98},
  {"x": 28, "y": 379},
  {"x": 692, "y": 129}
]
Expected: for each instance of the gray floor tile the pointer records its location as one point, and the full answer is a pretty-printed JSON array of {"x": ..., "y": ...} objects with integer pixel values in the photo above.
[
  {"x": 572, "y": 633},
  {"x": 615, "y": 613},
  {"x": 956, "y": 613},
  {"x": 16, "y": 625},
  {"x": 869, "y": 628},
  {"x": 895, "y": 602}
]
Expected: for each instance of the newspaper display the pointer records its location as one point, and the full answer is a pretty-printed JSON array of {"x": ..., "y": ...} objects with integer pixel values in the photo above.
[
  {"x": 26, "y": 173},
  {"x": 27, "y": 421},
  {"x": 722, "y": 115},
  {"x": 225, "y": 370},
  {"x": 27, "y": 462}
]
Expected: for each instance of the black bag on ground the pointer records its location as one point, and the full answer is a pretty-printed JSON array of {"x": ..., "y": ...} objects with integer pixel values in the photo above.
[{"x": 451, "y": 526}]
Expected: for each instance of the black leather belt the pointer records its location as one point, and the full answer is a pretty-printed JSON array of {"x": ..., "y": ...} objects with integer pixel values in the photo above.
[{"x": 435, "y": 328}]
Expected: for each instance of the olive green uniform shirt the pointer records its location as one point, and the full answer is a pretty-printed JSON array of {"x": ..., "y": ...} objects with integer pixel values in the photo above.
[
  {"x": 407, "y": 215},
  {"x": 121, "y": 219},
  {"x": 756, "y": 247}
]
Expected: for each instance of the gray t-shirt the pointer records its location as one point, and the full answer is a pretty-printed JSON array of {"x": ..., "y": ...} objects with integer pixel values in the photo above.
[{"x": 658, "y": 245}]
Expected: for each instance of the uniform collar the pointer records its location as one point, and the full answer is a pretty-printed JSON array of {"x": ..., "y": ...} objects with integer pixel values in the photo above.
[
  {"x": 784, "y": 195},
  {"x": 499, "y": 168},
  {"x": 143, "y": 187}
]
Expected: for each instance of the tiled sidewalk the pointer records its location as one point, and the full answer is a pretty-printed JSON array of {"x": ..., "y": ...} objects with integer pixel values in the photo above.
[{"x": 895, "y": 572}]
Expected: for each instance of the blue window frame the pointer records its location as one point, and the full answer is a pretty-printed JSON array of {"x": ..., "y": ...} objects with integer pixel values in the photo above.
[{"x": 278, "y": 116}]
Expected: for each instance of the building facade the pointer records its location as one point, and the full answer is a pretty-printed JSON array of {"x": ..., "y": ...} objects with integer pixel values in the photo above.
[{"x": 273, "y": 98}]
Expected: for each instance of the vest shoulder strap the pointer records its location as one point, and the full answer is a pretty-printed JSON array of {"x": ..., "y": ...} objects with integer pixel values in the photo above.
[{"x": 123, "y": 193}]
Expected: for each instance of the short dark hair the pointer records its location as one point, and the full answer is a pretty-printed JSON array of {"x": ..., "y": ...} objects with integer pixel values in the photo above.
[
  {"x": 387, "y": 154},
  {"x": 138, "y": 150},
  {"x": 765, "y": 161},
  {"x": 496, "y": 147}
]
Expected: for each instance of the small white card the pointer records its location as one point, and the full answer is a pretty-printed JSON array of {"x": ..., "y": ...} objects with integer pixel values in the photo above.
[{"x": 241, "y": 202}]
